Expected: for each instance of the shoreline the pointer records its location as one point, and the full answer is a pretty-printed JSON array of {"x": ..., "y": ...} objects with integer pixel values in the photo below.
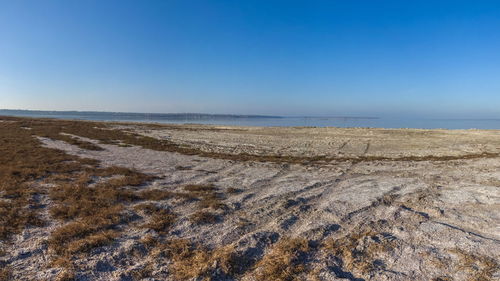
[{"x": 299, "y": 122}]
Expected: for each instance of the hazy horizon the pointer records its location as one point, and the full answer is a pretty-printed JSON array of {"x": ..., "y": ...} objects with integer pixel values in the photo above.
[
  {"x": 257, "y": 115},
  {"x": 422, "y": 59}
]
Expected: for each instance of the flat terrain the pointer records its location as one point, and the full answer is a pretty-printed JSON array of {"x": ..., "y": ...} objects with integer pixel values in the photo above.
[{"x": 115, "y": 201}]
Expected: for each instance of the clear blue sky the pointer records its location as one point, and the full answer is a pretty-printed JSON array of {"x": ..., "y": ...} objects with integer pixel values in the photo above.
[{"x": 422, "y": 58}]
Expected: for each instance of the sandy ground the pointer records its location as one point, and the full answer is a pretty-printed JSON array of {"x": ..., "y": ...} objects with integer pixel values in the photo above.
[
  {"x": 441, "y": 218},
  {"x": 328, "y": 141}
]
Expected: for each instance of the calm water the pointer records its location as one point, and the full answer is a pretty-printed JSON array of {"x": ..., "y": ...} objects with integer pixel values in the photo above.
[{"x": 267, "y": 120}]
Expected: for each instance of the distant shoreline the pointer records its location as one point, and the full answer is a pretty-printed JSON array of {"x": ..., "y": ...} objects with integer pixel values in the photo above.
[
  {"x": 169, "y": 115},
  {"x": 264, "y": 120}
]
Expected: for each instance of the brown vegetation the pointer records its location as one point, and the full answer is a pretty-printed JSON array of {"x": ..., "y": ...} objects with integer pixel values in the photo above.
[
  {"x": 358, "y": 251},
  {"x": 208, "y": 196},
  {"x": 88, "y": 199},
  {"x": 203, "y": 217},
  {"x": 94, "y": 210},
  {"x": 482, "y": 268},
  {"x": 24, "y": 162},
  {"x": 161, "y": 219},
  {"x": 285, "y": 261},
  {"x": 190, "y": 260},
  {"x": 66, "y": 275},
  {"x": 5, "y": 274}
]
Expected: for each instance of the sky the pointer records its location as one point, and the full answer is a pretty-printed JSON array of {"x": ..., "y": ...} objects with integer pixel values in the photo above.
[{"x": 318, "y": 58}]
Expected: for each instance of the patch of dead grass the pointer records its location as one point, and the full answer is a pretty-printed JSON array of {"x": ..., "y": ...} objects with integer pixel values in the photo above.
[
  {"x": 203, "y": 217},
  {"x": 161, "y": 220},
  {"x": 285, "y": 261},
  {"x": 24, "y": 162},
  {"x": 142, "y": 272},
  {"x": 86, "y": 233},
  {"x": 66, "y": 275},
  {"x": 190, "y": 260},
  {"x": 359, "y": 250},
  {"x": 480, "y": 268},
  {"x": 156, "y": 194},
  {"x": 207, "y": 195},
  {"x": 5, "y": 274}
]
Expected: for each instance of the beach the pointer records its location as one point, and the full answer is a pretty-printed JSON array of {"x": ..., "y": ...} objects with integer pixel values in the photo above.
[{"x": 137, "y": 201}]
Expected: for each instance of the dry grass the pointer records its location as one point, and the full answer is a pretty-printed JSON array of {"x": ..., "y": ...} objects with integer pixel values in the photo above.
[
  {"x": 156, "y": 194},
  {"x": 285, "y": 261},
  {"x": 212, "y": 201},
  {"x": 200, "y": 189},
  {"x": 91, "y": 241},
  {"x": 160, "y": 194},
  {"x": 143, "y": 272},
  {"x": 88, "y": 199},
  {"x": 146, "y": 208},
  {"x": 358, "y": 251},
  {"x": 207, "y": 195},
  {"x": 24, "y": 162},
  {"x": 193, "y": 261},
  {"x": 203, "y": 217},
  {"x": 481, "y": 268},
  {"x": 66, "y": 275},
  {"x": 149, "y": 241},
  {"x": 94, "y": 211},
  {"x": 62, "y": 262},
  {"x": 5, "y": 274},
  {"x": 75, "y": 141},
  {"x": 161, "y": 220},
  {"x": 84, "y": 234}
]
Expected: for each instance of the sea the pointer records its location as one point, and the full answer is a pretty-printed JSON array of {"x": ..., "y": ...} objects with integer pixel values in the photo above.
[{"x": 266, "y": 121}]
